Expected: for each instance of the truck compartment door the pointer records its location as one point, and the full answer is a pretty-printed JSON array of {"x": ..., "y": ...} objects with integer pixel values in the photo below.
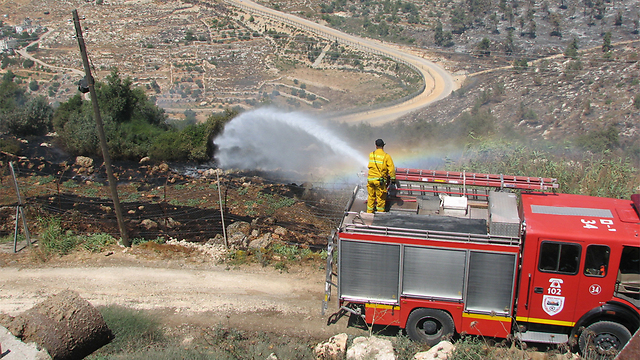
[
  {"x": 491, "y": 282},
  {"x": 434, "y": 273},
  {"x": 369, "y": 271}
]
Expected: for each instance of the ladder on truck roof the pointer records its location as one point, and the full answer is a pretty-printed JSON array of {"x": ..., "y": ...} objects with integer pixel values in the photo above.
[{"x": 476, "y": 179}]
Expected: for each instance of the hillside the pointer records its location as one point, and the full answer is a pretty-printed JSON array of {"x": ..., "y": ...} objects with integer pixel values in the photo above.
[{"x": 220, "y": 57}]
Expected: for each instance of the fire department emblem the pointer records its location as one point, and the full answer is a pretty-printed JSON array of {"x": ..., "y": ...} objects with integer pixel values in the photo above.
[{"x": 552, "y": 305}]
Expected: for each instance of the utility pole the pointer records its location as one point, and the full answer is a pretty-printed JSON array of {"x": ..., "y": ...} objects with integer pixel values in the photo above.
[{"x": 103, "y": 139}]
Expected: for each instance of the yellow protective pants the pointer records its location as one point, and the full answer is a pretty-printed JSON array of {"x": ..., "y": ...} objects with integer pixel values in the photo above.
[{"x": 377, "y": 196}]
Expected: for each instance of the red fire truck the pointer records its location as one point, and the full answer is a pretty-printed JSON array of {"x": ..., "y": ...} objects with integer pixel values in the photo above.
[{"x": 491, "y": 255}]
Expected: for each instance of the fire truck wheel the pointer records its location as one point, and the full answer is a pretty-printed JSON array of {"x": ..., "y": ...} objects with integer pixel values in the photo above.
[
  {"x": 603, "y": 338},
  {"x": 429, "y": 326}
]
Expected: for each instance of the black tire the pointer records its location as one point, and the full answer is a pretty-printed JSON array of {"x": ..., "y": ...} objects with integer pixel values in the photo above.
[
  {"x": 429, "y": 326},
  {"x": 603, "y": 339}
]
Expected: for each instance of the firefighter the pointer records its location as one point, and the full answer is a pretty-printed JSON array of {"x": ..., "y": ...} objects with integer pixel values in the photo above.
[{"x": 382, "y": 172}]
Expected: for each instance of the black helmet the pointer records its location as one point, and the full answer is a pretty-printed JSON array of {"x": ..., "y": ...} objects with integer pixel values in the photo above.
[{"x": 379, "y": 142}]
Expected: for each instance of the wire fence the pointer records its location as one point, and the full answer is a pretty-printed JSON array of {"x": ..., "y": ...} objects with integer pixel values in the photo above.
[{"x": 161, "y": 203}]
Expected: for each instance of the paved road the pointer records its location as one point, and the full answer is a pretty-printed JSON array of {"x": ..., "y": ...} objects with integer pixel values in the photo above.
[{"x": 439, "y": 83}]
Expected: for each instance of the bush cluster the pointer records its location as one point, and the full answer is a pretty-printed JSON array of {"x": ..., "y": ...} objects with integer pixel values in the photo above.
[{"x": 134, "y": 126}]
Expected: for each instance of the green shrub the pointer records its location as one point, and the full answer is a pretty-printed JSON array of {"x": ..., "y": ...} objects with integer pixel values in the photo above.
[
  {"x": 97, "y": 242},
  {"x": 70, "y": 184},
  {"x": 47, "y": 179},
  {"x": 54, "y": 239},
  {"x": 470, "y": 348},
  {"x": 290, "y": 252},
  {"x": 139, "y": 241},
  {"x": 599, "y": 140},
  {"x": 12, "y": 146},
  {"x": 405, "y": 348},
  {"x": 131, "y": 120},
  {"x": 33, "y": 118}
]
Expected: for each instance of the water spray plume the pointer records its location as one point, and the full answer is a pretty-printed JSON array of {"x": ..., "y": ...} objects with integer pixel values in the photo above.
[{"x": 273, "y": 140}]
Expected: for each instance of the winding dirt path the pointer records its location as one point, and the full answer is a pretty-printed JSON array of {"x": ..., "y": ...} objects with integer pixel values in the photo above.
[{"x": 23, "y": 52}]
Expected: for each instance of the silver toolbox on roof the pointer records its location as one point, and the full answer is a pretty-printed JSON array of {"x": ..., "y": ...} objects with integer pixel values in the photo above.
[{"x": 503, "y": 214}]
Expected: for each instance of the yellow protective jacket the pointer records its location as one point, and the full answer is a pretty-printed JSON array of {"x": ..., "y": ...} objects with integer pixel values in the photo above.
[{"x": 381, "y": 166}]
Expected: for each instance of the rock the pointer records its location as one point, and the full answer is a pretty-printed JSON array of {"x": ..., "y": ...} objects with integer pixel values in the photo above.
[
  {"x": 106, "y": 209},
  {"x": 333, "y": 349},
  {"x": 239, "y": 226},
  {"x": 272, "y": 356},
  {"x": 84, "y": 161},
  {"x": 66, "y": 325},
  {"x": 170, "y": 223},
  {"x": 440, "y": 351},
  {"x": 371, "y": 348},
  {"x": 149, "y": 224},
  {"x": 566, "y": 356},
  {"x": 237, "y": 240},
  {"x": 216, "y": 240},
  {"x": 212, "y": 172},
  {"x": 145, "y": 160},
  {"x": 262, "y": 242},
  {"x": 280, "y": 231},
  {"x": 163, "y": 167},
  {"x": 238, "y": 234}
]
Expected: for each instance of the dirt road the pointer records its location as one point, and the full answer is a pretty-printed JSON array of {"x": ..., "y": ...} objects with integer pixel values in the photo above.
[{"x": 251, "y": 297}]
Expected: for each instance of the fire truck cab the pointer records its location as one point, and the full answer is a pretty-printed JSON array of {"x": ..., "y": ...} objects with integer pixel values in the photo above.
[{"x": 461, "y": 253}]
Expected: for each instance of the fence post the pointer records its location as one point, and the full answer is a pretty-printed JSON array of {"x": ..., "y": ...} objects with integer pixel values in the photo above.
[
  {"x": 19, "y": 213},
  {"x": 224, "y": 230}
]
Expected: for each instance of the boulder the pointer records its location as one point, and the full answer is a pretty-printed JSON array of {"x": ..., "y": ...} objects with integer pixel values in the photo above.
[
  {"x": 238, "y": 234},
  {"x": 333, "y": 349},
  {"x": 171, "y": 223},
  {"x": 149, "y": 224},
  {"x": 440, "y": 352},
  {"x": 210, "y": 173},
  {"x": 261, "y": 242},
  {"x": 163, "y": 167},
  {"x": 84, "y": 161},
  {"x": 66, "y": 325},
  {"x": 371, "y": 348}
]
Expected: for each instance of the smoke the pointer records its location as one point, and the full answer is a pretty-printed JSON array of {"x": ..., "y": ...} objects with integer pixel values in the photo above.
[{"x": 267, "y": 139}]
